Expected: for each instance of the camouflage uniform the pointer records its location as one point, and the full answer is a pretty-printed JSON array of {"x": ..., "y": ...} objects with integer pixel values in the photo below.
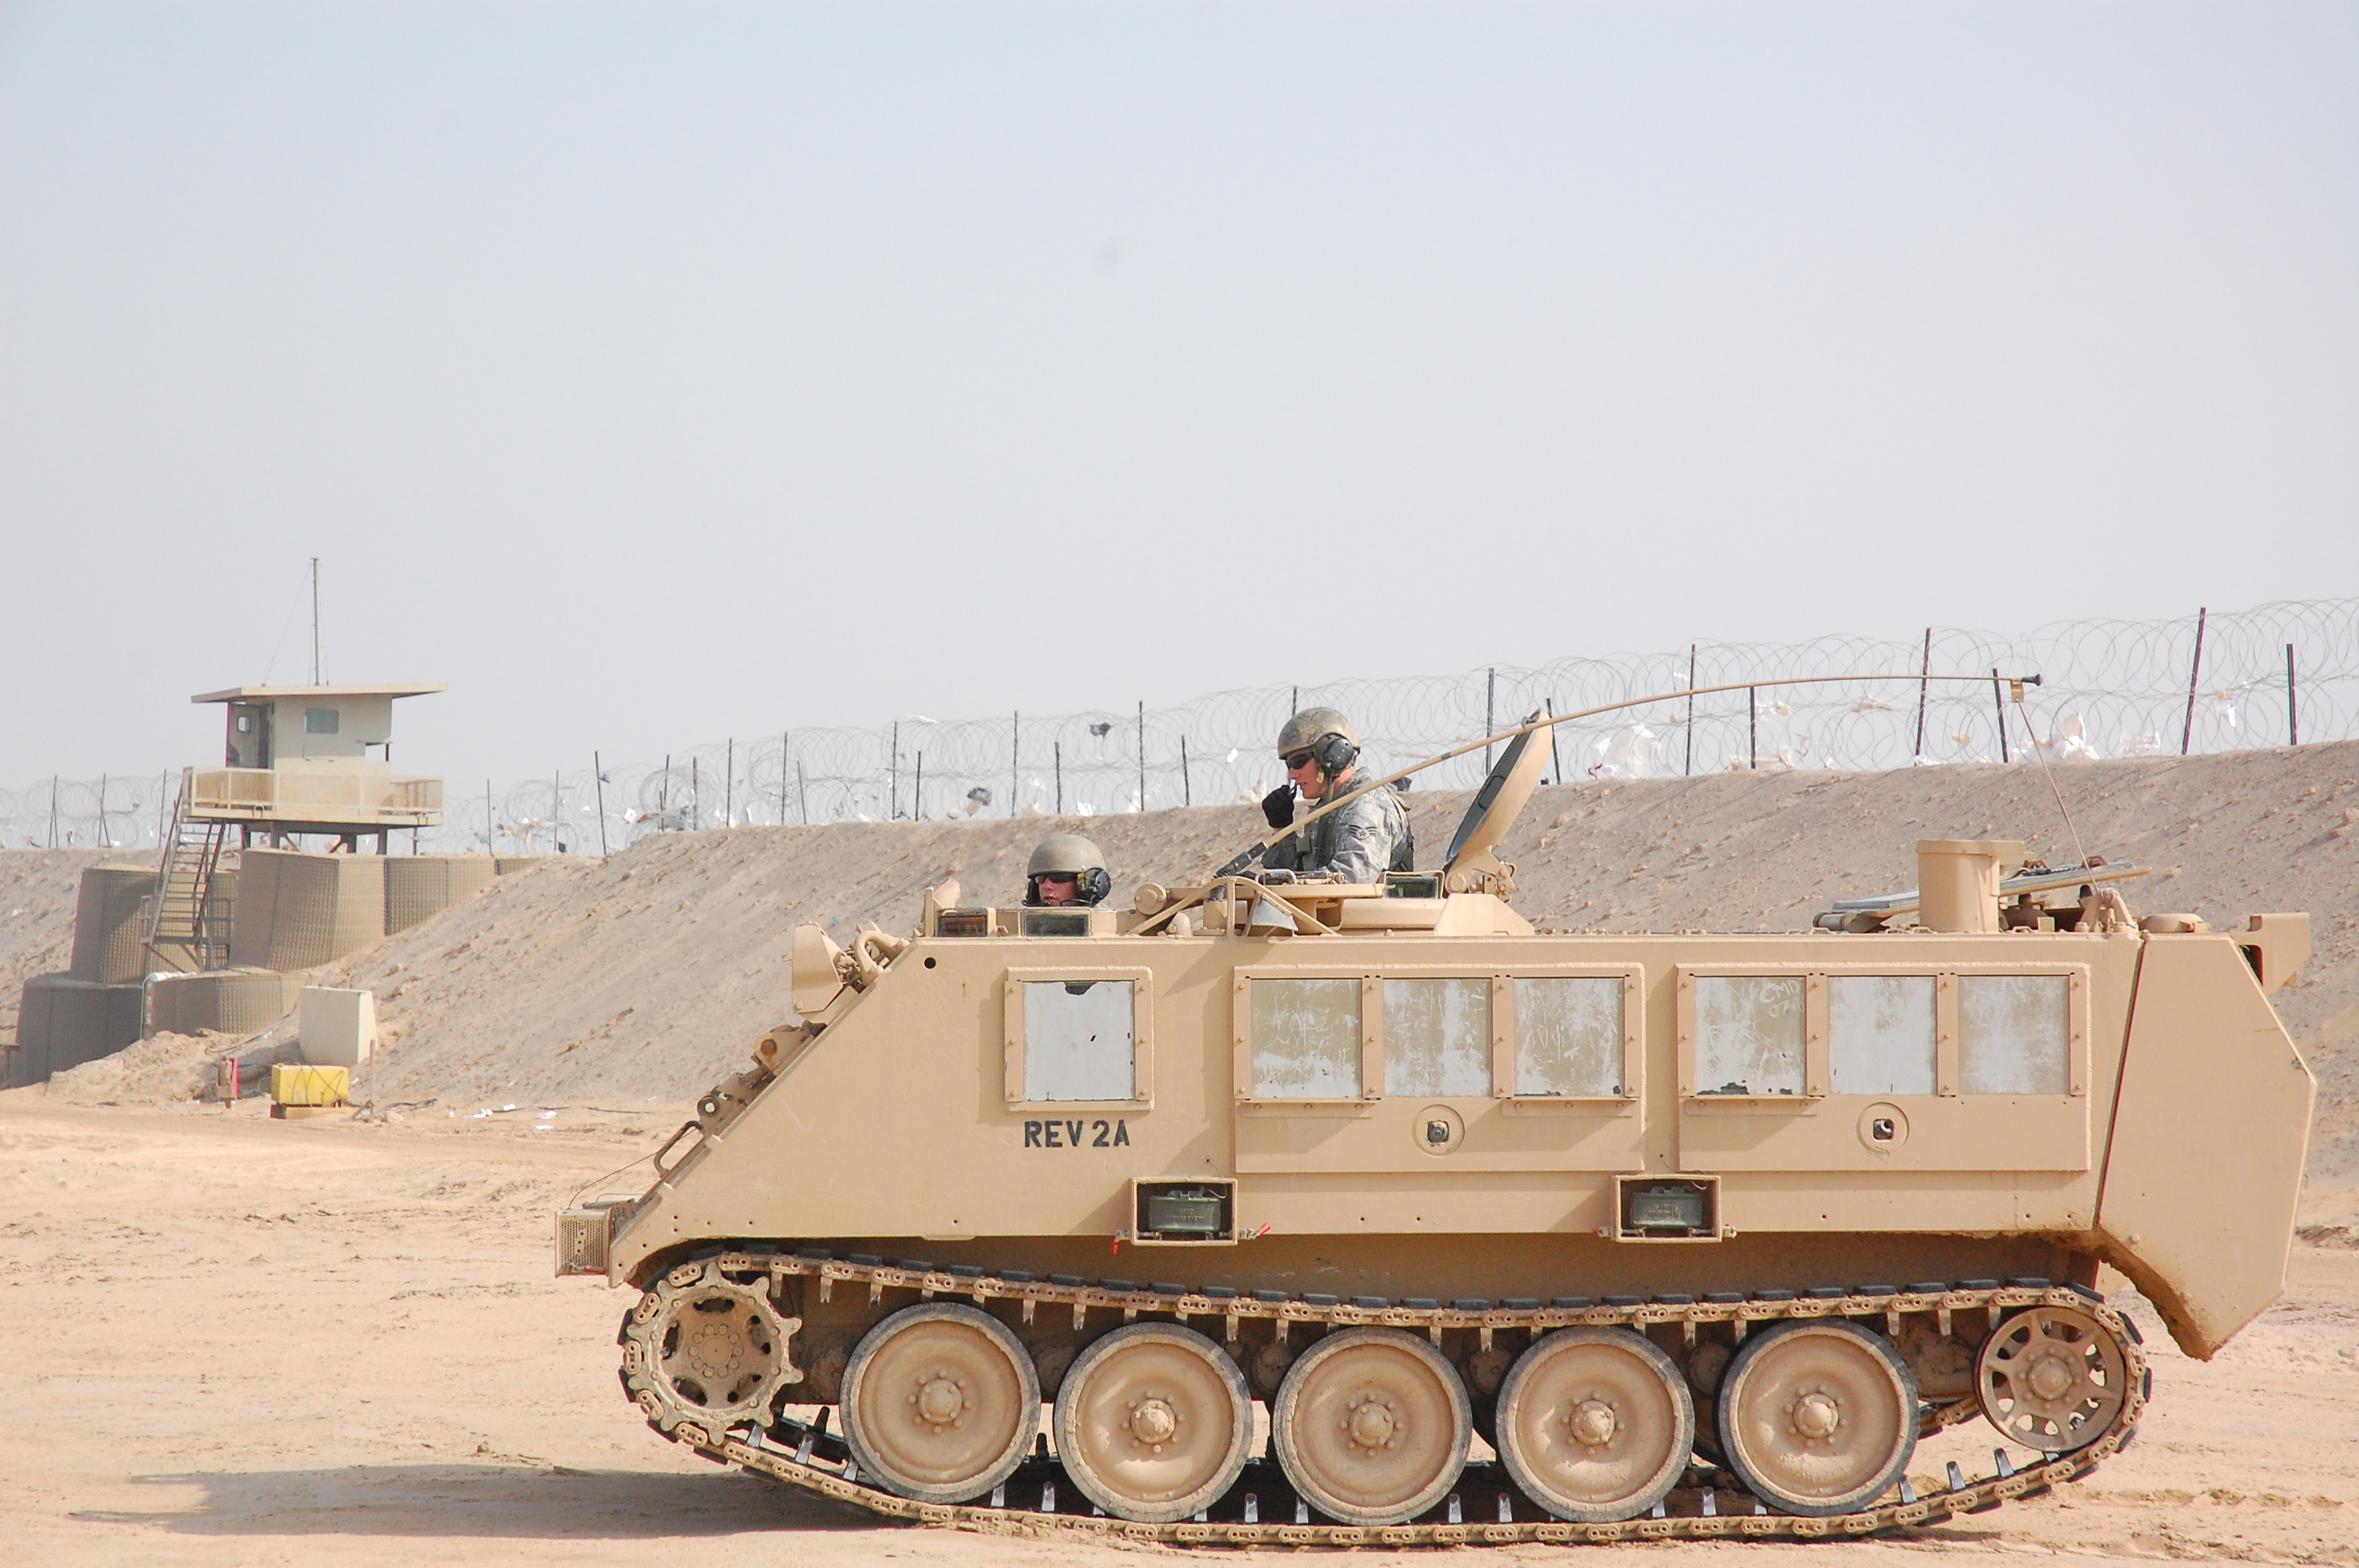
[{"x": 1357, "y": 842}]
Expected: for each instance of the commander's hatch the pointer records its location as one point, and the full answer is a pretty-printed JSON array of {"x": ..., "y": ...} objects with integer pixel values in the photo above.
[{"x": 1473, "y": 867}]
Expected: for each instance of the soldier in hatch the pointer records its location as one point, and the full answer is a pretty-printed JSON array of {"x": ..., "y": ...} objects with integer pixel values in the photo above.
[
  {"x": 1066, "y": 869},
  {"x": 1359, "y": 841}
]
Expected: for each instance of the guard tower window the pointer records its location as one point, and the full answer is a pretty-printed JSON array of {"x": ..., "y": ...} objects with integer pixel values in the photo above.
[
  {"x": 1438, "y": 1037},
  {"x": 1079, "y": 1040},
  {"x": 245, "y": 723},
  {"x": 321, "y": 721},
  {"x": 2014, "y": 1034},
  {"x": 1306, "y": 1038},
  {"x": 1569, "y": 1036},
  {"x": 1748, "y": 1035},
  {"x": 1880, "y": 1034}
]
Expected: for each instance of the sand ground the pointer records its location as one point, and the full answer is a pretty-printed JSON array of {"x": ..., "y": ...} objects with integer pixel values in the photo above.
[{"x": 230, "y": 1340}]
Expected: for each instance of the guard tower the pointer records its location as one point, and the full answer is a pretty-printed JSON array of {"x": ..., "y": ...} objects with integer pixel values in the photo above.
[{"x": 299, "y": 760}]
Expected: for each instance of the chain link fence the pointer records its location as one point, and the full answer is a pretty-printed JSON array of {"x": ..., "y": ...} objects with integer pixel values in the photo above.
[{"x": 2266, "y": 677}]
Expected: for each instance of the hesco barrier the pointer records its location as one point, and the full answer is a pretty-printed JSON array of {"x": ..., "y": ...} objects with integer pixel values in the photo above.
[
  {"x": 228, "y": 1002},
  {"x": 420, "y": 887},
  {"x": 297, "y": 912},
  {"x": 64, "y": 1021},
  {"x": 110, "y": 944}
]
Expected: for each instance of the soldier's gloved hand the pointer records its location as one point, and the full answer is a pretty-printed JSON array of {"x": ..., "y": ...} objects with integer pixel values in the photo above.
[{"x": 1279, "y": 805}]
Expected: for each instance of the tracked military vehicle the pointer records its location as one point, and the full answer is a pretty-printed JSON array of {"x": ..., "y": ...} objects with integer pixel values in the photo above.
[{"x": 1700, "y": 1232}]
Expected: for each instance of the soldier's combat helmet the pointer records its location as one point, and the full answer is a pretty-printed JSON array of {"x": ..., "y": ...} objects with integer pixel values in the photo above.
[
  {"x": 1324, "y": 733},
  {"x": 1067, "y": 855}
]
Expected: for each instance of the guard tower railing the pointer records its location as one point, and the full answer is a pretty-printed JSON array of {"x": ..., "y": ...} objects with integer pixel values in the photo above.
[{"x": 361, "y": 797}]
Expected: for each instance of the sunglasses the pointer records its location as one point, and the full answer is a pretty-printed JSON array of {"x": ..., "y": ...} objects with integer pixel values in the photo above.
[{"x": 1296, "y": 761}]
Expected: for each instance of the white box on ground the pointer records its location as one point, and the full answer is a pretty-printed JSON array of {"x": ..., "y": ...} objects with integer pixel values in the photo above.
[{"x": 339, "y": 1027}]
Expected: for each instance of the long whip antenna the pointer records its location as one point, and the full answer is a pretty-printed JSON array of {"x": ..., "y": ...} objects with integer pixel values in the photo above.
[{"x": 2041, "y": 752}]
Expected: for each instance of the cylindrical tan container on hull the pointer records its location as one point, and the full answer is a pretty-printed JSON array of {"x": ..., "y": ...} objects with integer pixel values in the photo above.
[
  {"x": 63, "y": 1023},
  {"x": 110, "y": 944},
  {"x": 1957, "y": 882},
  {"x": 228, "y": 1002},
  {"x": 297, "y": 912},
  {"x": 420, "y": 887}
]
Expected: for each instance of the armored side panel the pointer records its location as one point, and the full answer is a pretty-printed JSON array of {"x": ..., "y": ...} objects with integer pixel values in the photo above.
[{"x": 1376, "y": 1098}]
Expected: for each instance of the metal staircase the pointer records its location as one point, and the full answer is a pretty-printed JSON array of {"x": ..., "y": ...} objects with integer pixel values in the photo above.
[{"x": 186, "y": 916}]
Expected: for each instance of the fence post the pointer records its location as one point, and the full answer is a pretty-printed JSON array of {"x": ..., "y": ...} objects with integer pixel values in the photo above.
[
  {"x": 802, "y": 793},
  {"x": 729, "y": 785},
  {"x": 1999, "y": 702},
  {"x": 918, "y": 790},
  {"x": 1752, "y": 728},
  {"x": 695, "y": 795},
  {"x": 1014, "y": 758},
  {"x": 1556, "y": 763},
  {"x": 1490, "y": 703},
  {"x": 1688, "y": 770},
  {"x": 556, "y": 811},
  {"x": 2194, "y": 672},
  {"x": 53, "y": 811},
  {"x": 1924, "y": 679},
  {"x": 1142, "y": 754},
  {"x": 1188, "y": 795},
  {"x": 1058, "y": 752},
  {"x": 598, "y": 772},
  {"x": 2293, "y": 720},
  {"x": 785, "y": 737},
  {"x": 893, "y": 775},
  {"x": 105, "y": 839}
]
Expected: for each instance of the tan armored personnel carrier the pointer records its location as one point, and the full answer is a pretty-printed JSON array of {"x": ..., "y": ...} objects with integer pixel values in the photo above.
[{"x": 1700, "y": 1232}]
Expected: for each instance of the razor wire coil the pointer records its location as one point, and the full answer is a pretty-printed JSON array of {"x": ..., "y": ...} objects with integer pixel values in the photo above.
[{"x": 2109, "y": 688}]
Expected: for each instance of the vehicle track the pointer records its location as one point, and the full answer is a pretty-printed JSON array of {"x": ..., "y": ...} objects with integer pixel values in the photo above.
[{"x": 1714, "y": 1508}]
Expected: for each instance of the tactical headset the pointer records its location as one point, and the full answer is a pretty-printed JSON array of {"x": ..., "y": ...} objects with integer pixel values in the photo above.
[{"x": 1334, "y": 754}]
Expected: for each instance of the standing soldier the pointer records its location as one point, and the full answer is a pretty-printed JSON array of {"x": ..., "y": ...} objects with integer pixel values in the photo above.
[{"x": 1357, "y": 842}]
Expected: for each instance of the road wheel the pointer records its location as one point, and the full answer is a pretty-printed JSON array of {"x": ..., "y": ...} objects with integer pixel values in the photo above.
[
  {"x": 939, "y": 1403},
  {"x": 1595, "y": 1424},
  {"x": 1153, "y": 1423},
  {"x": 2051, "y": 1379},
  {"x": 1817, "y": 1418},
  {"x": 1371, "y": 1426}
]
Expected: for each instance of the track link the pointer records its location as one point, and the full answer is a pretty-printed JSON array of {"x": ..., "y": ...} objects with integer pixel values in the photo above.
[{"x": 815, "y": 1460}]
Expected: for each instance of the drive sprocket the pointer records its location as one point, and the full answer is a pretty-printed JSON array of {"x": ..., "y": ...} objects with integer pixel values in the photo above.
[{"x": 703, "y": 1350}]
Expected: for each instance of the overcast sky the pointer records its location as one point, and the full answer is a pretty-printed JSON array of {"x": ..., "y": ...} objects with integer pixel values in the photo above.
[{"x": 658, "y": 374}]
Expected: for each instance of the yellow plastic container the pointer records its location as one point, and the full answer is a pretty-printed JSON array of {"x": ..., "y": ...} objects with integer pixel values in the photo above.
[{"x": 295, "y": 1083}]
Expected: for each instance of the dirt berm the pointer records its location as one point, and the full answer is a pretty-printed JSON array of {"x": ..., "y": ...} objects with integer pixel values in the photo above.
[{"x": 646, "y": 978}]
